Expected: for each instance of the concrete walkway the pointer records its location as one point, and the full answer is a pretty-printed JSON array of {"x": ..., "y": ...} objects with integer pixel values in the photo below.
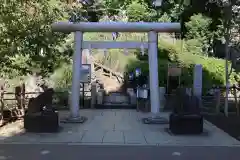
[{"x": 118, "y": 127}]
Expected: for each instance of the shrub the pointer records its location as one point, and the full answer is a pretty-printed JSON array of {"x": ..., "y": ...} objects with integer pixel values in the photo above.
[
  {"x": 213, "y": 68},
  {"x": 61, "y": 79},
  {"x": 194, "y": 46},
  {"x": 115, "y": 59},
  {"x": 198, "y": 32}
]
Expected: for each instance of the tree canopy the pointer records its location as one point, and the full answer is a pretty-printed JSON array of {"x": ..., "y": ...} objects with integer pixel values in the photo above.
[{"x": 28, "y": 44}]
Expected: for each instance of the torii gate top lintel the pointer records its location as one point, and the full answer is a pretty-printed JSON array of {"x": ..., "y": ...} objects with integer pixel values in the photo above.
[{"x": 68, "y": 27}]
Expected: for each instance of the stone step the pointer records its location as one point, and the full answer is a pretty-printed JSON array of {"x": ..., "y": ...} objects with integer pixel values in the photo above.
[
  {"x": 103, "y": 106},
  {"x": 125, "y": 103},
  {"x": 116, "y": 98}
]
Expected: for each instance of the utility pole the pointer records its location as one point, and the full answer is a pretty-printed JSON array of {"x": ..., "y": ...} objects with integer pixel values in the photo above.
[
  {"x": 227, "y": 28},
  {"x": 227, "y": 8}
]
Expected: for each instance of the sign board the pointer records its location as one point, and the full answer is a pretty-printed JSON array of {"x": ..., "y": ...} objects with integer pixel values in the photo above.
[
  {"x": 85, "y": 73},
  {"x": 138, "y": 72},
  {"x": 174, "y": 70}
]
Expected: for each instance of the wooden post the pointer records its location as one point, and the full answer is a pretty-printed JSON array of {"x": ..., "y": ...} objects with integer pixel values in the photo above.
[
  {"x": 167, "y": 91},
  {"x": 2, "y": 103},
  {"x": 18, "y": 96},
  {"x": 100, "y": 96},
  {"x": 218, "y": 100},
  {"x": 235, "y": 98},
  {"x": 93, "y": 95},
  {"x": 101, "y": 69},
  {"x": 23, "y": 91},
  {"x": 110, "y": 74},
  {"x": 83, "y": 95}
]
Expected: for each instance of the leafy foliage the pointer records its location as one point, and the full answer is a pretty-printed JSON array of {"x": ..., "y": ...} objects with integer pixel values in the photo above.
[
  {"x": 137, "y": 12},
  {"x": 28, "y": 45},
  {"x": 26, "y": 39},
  {"x": 62, "y": 77},
  {"x": 198, "y": 28},
  {"x": 213, "y": 68}
]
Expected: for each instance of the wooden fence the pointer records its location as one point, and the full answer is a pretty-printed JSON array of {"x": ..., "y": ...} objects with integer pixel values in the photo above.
[
  {"x": 13, "y": 104},
  {"x": 215, "y": 103},
  {"x": 17, "y": 110},
  {"x": 212, "y": 103}
]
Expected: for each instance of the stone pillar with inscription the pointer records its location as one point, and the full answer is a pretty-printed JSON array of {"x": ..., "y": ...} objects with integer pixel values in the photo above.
[{"x": 197, "y": 82}]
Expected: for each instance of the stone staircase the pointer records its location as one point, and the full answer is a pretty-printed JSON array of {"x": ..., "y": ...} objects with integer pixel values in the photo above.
[
  {"x": 114, "y": 97},
  {"x": 116, "y": 100},
  {"x": 109, "y": 81}
]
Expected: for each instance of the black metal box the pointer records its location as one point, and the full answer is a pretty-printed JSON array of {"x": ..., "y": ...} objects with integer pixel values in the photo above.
[
  {"x": 42, "y": 122},
  {"x": 186, "y": 123}
]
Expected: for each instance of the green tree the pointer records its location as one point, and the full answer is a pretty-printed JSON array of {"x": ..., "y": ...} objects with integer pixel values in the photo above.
[
  {"x": 198, "y": 30},
  {"x": 198, "y": 27},
  {"x": 140, "y": 12},
  {"x": 26, "y": 38}
]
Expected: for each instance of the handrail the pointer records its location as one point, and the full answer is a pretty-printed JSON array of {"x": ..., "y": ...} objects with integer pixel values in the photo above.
[
  {"x": 118, "y": 75},
  {"x": 108, "y": 69}
]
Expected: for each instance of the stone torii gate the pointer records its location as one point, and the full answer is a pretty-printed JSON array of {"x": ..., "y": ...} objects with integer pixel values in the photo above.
[{"x": 151, "y": 45}]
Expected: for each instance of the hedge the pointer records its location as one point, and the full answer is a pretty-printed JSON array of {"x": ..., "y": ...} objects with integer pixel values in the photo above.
[{"x": 213, "y": 69}]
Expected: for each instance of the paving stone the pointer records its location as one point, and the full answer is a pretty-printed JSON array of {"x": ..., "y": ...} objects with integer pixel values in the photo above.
[
  {"x": 23, "y": 138},
  {"x": 134, "y": 137},
  {"x": 100, "y": 125},
  {"x": 123, "y": 113},
  {"x": 128, "y": 129},
  {"x": 121, "y": 126},
  {"x": 108, "y": 113},
  {"x": 93, "y": 137},
  {"x": 70, "y": 137},
  {"x": 158, "y": 138},
  {"x": 113, "y": 137}
]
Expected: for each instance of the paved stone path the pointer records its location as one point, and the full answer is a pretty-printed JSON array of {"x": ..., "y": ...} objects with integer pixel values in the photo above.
[
  {"x": 118, "y": 127},
  {"x": 76, "y": 152}
]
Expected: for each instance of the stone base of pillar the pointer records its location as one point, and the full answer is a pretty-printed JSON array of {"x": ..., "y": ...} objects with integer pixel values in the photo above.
[
  {"x": 80, "y": 119},
  {"x": 155, "y": 120}
]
